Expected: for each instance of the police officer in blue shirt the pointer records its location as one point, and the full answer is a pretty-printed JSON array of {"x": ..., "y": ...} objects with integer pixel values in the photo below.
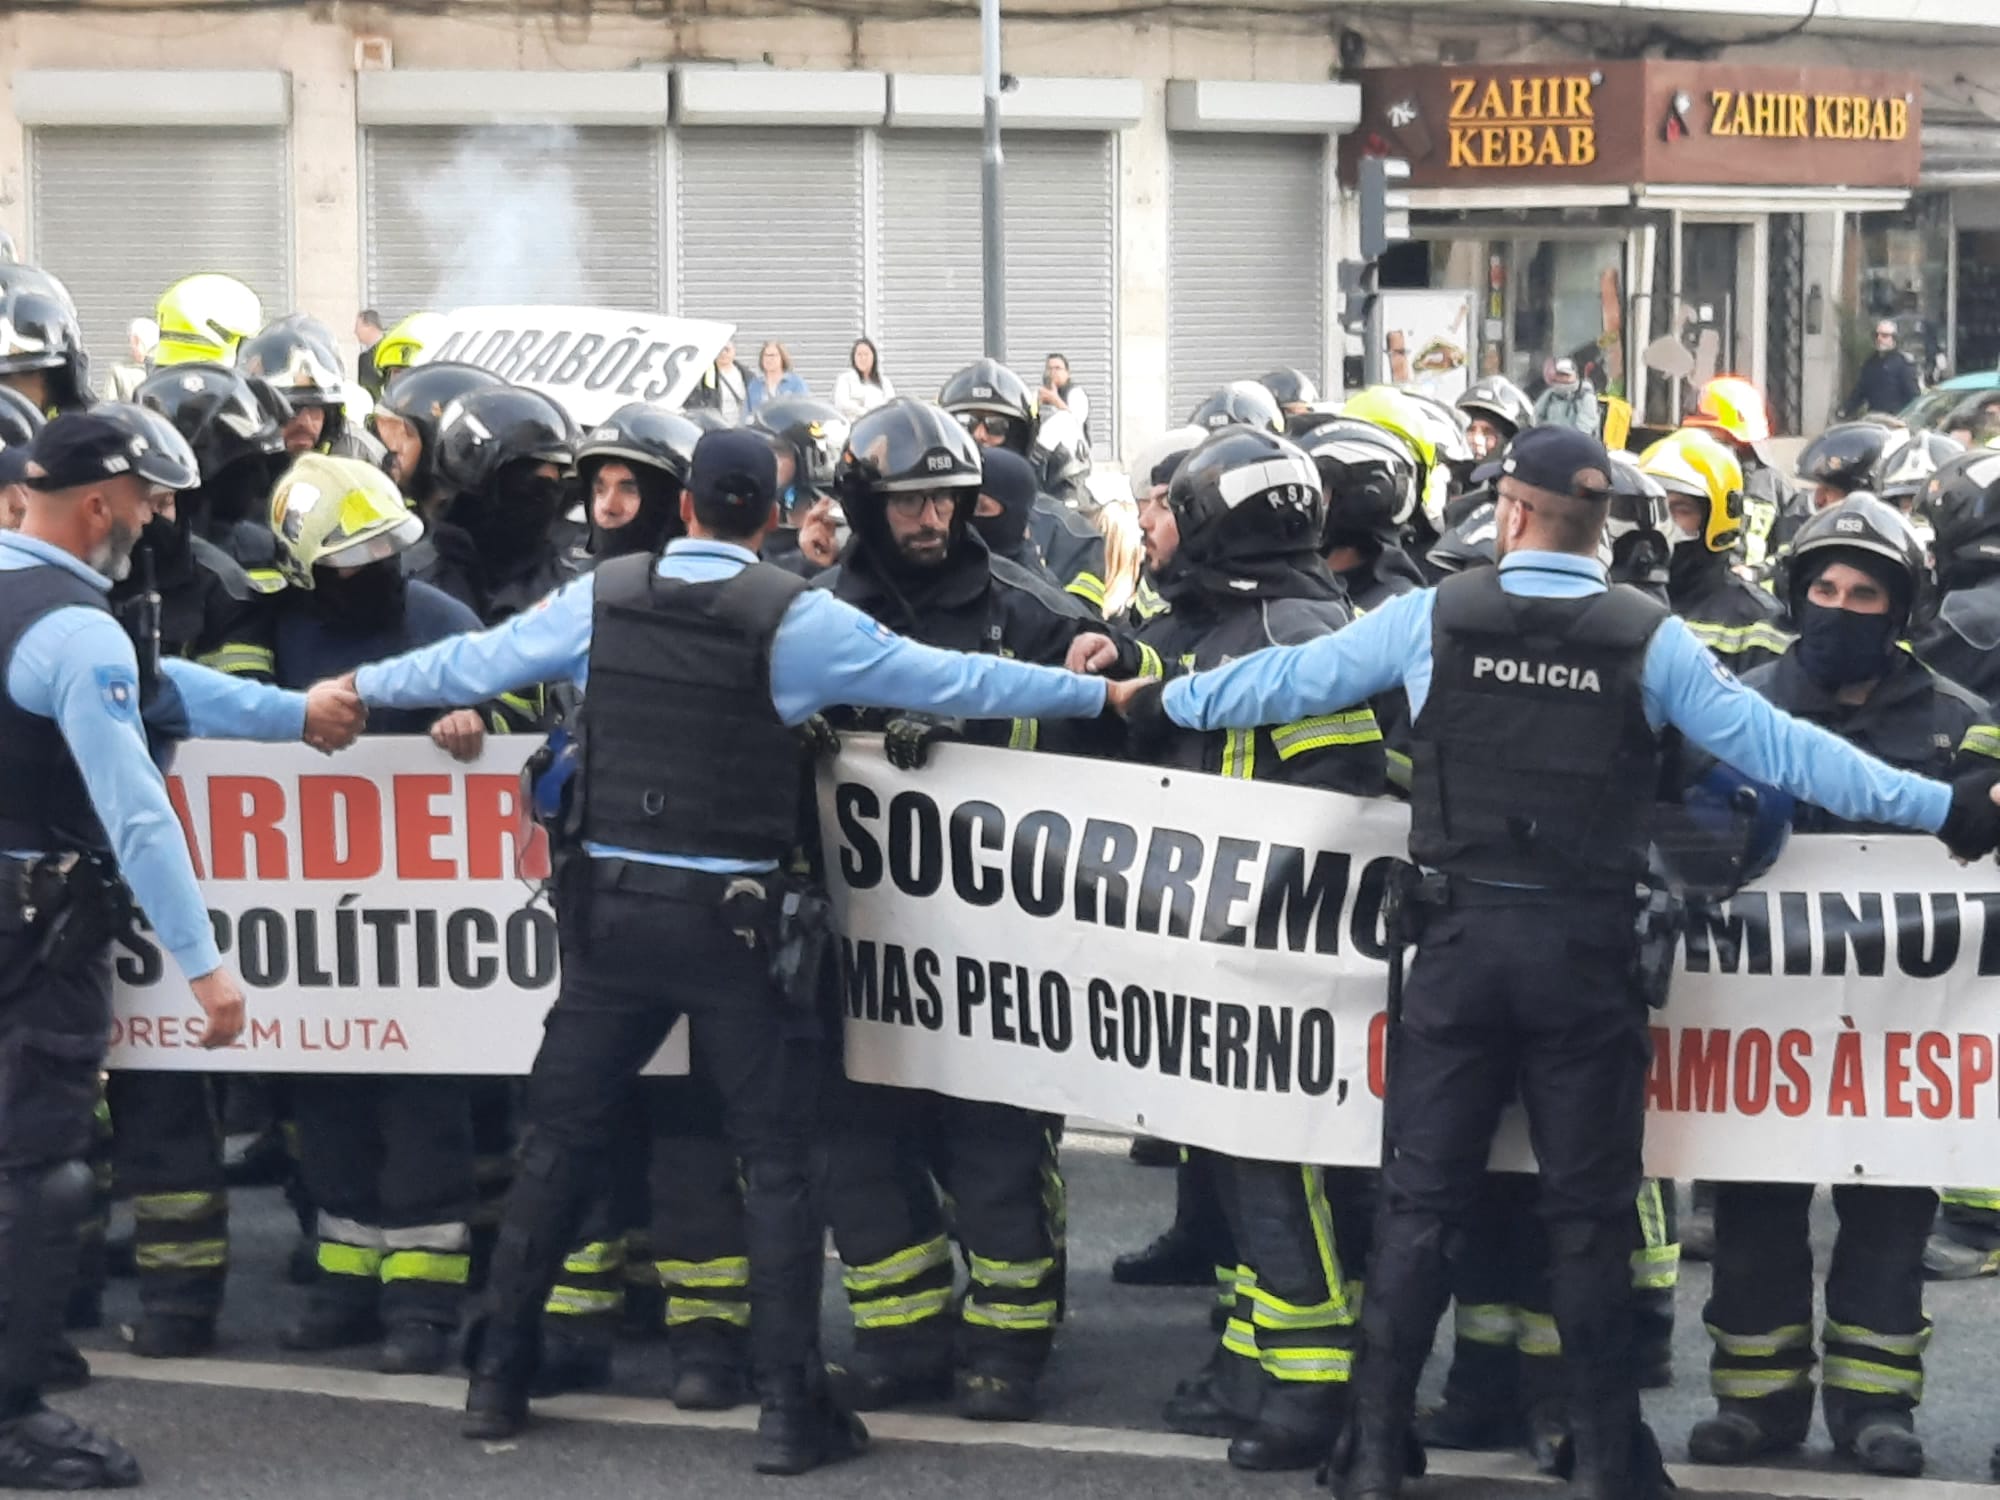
[
  {"x": 699, "y": 667},
  {"x": 82, "y": 808},
  {"x": 1539, "y": 697}
]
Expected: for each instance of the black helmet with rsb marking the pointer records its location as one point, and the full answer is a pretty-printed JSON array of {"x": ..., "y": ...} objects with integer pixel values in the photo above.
[{"x": 1246, "y": 493}]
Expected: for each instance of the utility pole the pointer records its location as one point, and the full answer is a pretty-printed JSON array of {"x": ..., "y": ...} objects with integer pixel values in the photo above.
[{"x": 992, "y": 206}]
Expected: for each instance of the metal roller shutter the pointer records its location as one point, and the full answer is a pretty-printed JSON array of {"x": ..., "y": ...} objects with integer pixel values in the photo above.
[
  {"x": 1245, "y": 260},
  {"x": 458, "y": 217},
  {"x": 1061, "y": 260},
  {"x": 771, "y": 240},
  {"x": 121, "y": 214}
]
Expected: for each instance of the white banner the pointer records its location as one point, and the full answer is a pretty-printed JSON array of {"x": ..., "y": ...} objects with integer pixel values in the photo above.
[
  {"x": 376, "y": 905},
  {"x": 592, "y": 360},
  {"x": 1201, "y": 959}
]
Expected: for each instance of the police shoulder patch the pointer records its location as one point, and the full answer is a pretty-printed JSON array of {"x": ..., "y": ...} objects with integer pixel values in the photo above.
[
  {"x": 118, "y": 689},
  {"x": 873, "y": 628}
]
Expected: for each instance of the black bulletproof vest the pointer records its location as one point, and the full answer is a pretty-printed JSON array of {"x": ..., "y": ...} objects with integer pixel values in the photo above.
[
  {"x": 44, "y": 805},
  {"x": 683, "y": 752},
  {"x": 1532, "y": 761}
]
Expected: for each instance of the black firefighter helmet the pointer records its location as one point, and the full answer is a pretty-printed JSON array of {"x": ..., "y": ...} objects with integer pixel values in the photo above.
[
  {"x": 1962, "y": 500},
  {"x": 1369, "y": 476},
  {"x": 1864, "y": 525},
  {"x": 987, "y": 389},
  {"x": 658, "y": 446},
  {"x": 1246, "y": 493},
  {"x": 905, "y": 447},
  {"x": 298, "y": 356},
  {"x": 418, "y": 397}
]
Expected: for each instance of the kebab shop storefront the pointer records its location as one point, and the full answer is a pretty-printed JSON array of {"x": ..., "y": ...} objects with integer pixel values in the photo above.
[{"x": 1655, "y": 221}]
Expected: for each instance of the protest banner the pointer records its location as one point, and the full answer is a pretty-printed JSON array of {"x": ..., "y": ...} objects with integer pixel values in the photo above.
[
  {"x": 591, "y": 360},
  {"x": 376, "y": 904},
  {"x": 1203, "y": 960}
]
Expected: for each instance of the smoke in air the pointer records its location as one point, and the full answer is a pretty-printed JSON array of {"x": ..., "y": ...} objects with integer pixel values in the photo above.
[{"x": 505, "y": 206}]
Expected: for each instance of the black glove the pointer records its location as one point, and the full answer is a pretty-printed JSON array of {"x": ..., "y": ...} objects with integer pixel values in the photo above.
[
  {"x": 1147, "y": 726},
  {"x": 820, "y": 737},
  {"x": 1972, "y": 828},
  {"x": 908, "y": 738}
]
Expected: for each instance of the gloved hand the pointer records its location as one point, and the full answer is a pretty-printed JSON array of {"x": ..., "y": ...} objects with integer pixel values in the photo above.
[
  {"x": 1972, "y": 828},
  {"x": 820, "y": 737},
  {"x": 1147, "y": 726},
  {"x": 908, "y": 738}
]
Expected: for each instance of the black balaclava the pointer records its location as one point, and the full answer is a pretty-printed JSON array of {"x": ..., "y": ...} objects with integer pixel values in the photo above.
[
  {"x": 362, "y": 601},
  {"x": 1837, "y": 648},
  {"x": 1009, "y": 479},
  {"x": 510, "y": 524}
]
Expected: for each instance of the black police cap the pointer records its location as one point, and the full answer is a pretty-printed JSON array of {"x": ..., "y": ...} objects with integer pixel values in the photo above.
[
  {"x": 1561, "y": 460},
  {"x": 735, "y": 473}
]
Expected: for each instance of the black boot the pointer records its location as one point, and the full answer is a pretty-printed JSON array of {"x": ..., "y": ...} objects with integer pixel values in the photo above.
[
  {"x": 45, "y": 1450},
  {"x": 1371, "y": 1461},
  {"x": 573, "y": 1360},
  {"x": 163, "y": 1335},
  {"x": 711, "y": 1366},
  {"x": 996, "y": 1395},
  {"x": 413, "y": 1348},
  {"x": 862, "y": 1384},
  {"x": 1151, "y": 1151},
  {"x": 1295, "y": 1428},
  {"x": 1176, "y": 1258},
  {"x": 800, "y": 1427},
  {"x": 1878, "y": 1440},
  {"x": 332, "y": 1322},
  {"x": 65, "y": 1368},
  {"x": 1481, "y": 1411},
  {"x": 1616, "y": 1457},
  {"x": 1221, "y": 1400},
  {"x": 503, "y": 1364},
  {"x": 1744, "y": 1430}
]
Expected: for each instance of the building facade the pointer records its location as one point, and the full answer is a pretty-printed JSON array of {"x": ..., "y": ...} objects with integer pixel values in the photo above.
[{"x": 1175, "y": 210}]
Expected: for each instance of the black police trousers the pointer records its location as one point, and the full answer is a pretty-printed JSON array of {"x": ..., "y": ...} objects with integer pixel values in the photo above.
[
  {"x": 166, "y": 1136},
  {"x": 648, "y": 946},
  {"x": 53, "y": 1028},
  {"x": 1507, "y": 990},
  {"x": 1760, "y": 1306}
]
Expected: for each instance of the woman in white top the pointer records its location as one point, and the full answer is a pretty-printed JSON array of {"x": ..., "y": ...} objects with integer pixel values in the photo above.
[
  {"x": 729, "y": 392},
  {"x": 862, "y": 386}
]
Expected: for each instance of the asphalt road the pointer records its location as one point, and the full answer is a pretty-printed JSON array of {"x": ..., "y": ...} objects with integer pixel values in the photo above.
[{"x": 251, "y": 1420}]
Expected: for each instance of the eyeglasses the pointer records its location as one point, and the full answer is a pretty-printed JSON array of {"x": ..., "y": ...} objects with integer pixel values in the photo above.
[{"x": 911, "y": 506}]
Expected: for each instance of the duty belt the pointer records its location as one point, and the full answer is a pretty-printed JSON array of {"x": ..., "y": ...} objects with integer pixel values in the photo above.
[{"x": 674, "y": 882}]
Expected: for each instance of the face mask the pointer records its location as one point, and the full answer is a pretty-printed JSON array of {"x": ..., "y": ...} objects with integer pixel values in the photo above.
[
  {"x": 1837, "y": 647},
  {"x": 1690, "y": 562},
  {"x": 515, "y": 521},
  {"x": 366, "y": 600}
]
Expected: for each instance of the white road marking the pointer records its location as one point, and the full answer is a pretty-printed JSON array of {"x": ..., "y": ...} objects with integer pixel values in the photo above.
[{"x": 447, "y": 1393}]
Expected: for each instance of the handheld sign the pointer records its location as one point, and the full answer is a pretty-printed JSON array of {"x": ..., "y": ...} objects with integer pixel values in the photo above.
[{"x": 591, "y": 360}]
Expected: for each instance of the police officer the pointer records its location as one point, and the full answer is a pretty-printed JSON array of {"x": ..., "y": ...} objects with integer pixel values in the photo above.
[
  {"x": 299, "y": 359},
  {"x": 41, "y": 343},
  {"x": 1370, "y": 481},
  {"x": 236, "y": 426},
  {"x": 1539, "y": 698},
  {"x": 1496, "y": 412},
  {"x": 1236, "y": 545},
  {"x": 405, "y": 422},
  {"x": 908, "y": 481},
  {"x": 656, "y": 915},
  {"x": 387, "y": 1161},
  {"x": 996, "y": 406},
  {"x": 1730, "y": 615},
  {"x": 1855, "y": 581},
  {"x": 502, "y": 454},
  {"x": 673, "y": 1211},
  {"x": 82, "y": 809}
]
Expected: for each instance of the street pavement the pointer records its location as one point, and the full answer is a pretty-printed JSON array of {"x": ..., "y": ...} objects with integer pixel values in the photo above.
[{"x": 254, "y": 1421}]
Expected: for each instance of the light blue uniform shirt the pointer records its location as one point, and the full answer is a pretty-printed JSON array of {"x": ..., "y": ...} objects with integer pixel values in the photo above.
[
  {"x": 826, "y": 652},
  {"x": 76, "y": 666},
  {"x": 1683, "y": 685}
]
